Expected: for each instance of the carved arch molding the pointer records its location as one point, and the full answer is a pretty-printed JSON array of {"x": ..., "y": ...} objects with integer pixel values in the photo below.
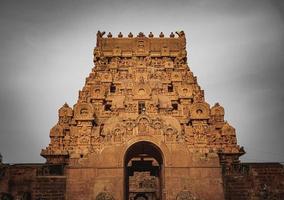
[{"x": 117, "y": 130}]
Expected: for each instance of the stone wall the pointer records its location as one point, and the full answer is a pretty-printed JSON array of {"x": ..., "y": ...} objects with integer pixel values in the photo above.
[
  {"x": 248, "y": 181},
  {"x": 49, "y": 187},
  {"x": 32, "y": 182},
  {"x": 255, "y": 181}
]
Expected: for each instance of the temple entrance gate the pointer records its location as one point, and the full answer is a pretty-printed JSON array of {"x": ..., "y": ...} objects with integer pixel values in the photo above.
[
  {"x": 141, "y": 128},
  {"x": 143, "y": 172}
]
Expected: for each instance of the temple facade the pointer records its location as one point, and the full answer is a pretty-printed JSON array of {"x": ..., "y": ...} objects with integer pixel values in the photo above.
[{"x": 142, "y": 130}]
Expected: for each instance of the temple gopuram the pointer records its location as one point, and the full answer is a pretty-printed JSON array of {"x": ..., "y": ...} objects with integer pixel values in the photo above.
[{"x": 142, "y": 130}]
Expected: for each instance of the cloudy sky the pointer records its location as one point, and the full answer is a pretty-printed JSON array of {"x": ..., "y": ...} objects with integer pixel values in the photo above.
[{"x": 235, "y": 48}]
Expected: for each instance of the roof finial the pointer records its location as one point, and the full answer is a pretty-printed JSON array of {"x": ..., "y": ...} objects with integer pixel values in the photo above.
[
  {"x": 172, "y": 35},
  {"x": 151, "y": 35},
  {"x": 109, "y": 35},
  {"x": 180, "y": 33},
  {"x": 100, "y": 34},
  {"x": 120, "y": 35},
  {"x": 130, "y": 35},
  {"x": 161, "y": 35},
  {"x": 141, "y": 35}
]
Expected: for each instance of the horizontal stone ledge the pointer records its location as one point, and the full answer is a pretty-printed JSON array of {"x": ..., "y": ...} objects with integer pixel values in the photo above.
[{"x": 50, "y": 177}]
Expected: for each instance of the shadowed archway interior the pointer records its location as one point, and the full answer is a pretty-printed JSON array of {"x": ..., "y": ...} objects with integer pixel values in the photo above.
[{"x": 143, "y": 172}]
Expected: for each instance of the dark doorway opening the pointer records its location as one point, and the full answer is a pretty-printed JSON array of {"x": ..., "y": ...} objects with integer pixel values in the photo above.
[{"x": 143, "y": 172}]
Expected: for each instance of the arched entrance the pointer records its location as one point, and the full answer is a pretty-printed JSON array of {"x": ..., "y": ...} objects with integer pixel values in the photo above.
[{"x": 143, "y": 172}]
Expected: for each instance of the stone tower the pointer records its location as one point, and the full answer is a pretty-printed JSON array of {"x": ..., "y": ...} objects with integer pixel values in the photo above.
[{"x": 141, "y": 128}]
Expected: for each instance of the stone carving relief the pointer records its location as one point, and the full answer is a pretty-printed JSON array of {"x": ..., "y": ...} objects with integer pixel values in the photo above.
[
  {"x": 56, "y": 131},
  {"x": 65, "y": 114},
  {"x": 157, "y": 123},
  {"x": 183, "y": 137},
  {"x": 118, "y": 134},
  {"x": 185, "y": 195},
  {"x": 141, "y": 91},
  {"x": 140, "y": 85},
  {"x": 199, "y": 111},
  {"x": 98, "y": 93},
  {"x": 83, "y": 111},
  {"x": 104, "y": 196},
  {"x": 170, "y": 134}
]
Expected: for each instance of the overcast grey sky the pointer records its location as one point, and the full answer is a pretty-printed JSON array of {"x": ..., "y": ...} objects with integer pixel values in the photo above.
[{"x": 235, "y": 48}]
